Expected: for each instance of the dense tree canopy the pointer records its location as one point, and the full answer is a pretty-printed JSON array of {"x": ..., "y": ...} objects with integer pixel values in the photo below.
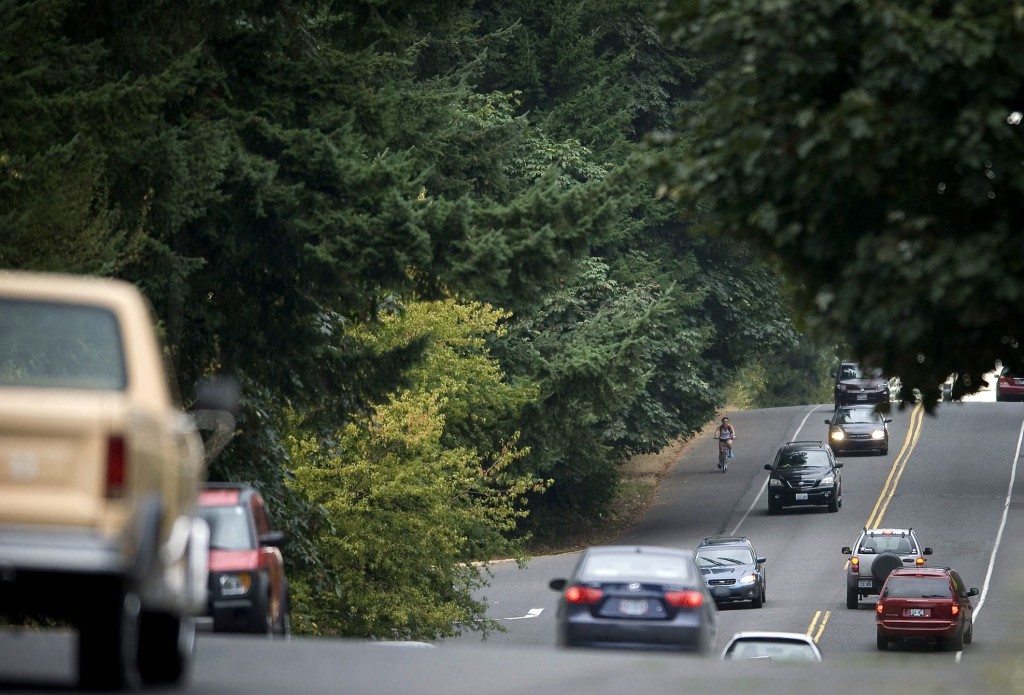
[{"x": 875, "y": 149}]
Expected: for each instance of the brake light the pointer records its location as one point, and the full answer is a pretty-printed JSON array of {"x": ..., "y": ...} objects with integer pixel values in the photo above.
[
  {"x": 955, "y": 609},
  {"x": 115, "y": 467},
  {"x": 879, "y": 607},
  {"x": 684, "y": 599},
  {"x": 583, "y": 594}
]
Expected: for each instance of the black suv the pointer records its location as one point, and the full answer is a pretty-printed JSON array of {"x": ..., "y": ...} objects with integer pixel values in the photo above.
[
  {"x": 732, "y": 570},
  {"x": 804, "y": 474},
  {"x": 856, "y": 386}
]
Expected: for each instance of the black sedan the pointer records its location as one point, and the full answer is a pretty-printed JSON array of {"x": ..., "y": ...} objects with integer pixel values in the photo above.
[
  {"x": 639, "y": 597},
  {"x": 858, "y": 429},
  {"x": 804, "y": 474}
]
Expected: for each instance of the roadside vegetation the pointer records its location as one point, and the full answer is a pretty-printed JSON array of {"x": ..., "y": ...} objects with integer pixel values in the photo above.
[{"x": 421, "y": 236}]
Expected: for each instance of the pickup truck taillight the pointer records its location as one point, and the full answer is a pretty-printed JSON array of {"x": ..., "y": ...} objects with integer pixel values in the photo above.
[{"x": 115, "y": 466}]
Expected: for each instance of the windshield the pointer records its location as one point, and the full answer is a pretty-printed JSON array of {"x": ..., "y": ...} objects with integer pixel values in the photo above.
[
  {"x": 806, "y": 458},
  {"x": 229, "y": 528},
  {"x": 719, "y": 557},
  {"x": 51, "y": 345},
  {"x": 847, "y": 416},
  {"x": 917, "y": 587},
  {"x": 632, "y": 566},
  {"x": 850, "y": 371},
  {"x": 771, "y": 650}
]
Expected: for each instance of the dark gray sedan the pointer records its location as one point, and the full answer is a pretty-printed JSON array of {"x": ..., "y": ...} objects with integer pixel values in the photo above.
[
  {"x": 853, "y": 428},
  {"x": 635, "y": 597}
]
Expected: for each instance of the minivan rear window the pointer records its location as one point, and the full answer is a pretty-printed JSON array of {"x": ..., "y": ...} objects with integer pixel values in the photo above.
[
  {"x": 917, "y": 587},
  {"x": 52, "y": 345}
]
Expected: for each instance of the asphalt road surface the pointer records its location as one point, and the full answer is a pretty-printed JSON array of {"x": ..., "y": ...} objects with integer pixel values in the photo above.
[{"x": 948, "y": 475}]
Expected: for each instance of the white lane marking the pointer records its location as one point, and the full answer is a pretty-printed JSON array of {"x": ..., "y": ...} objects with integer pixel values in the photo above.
[
  {"x": 999, "y": 534},
  {"x": 532, "y": 613},
  {"x": 764, "y": 485}
]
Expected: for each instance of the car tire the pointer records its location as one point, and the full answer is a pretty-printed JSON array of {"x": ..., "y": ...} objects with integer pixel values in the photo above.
[
  {"x": 884, "y": 450},
  {"x": 833, "y": 505},
  {"x": 773, "y": 508},
  {"x": 108, "y": 642},
  {"x": 852, "y": 599},
  {"x": 969, "y": 636},
  {"x": 756, "y": 602},
  {"x": 166, "y": 646},
  {"x": 955, "y": 642},
  {"x": 283, "y": 626},
  {"x": 881, "y": 641}
]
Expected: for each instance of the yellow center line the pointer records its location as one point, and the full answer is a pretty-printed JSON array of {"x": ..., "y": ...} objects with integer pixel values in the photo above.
[
  {"x": 916, "y": 417},
  {"x": 810, "y": 628},
  {"x": 821, "y": 627},
  {"x": 896, "y": 481}
]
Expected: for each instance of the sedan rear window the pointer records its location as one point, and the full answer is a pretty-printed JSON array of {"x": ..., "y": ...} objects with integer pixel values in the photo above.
[
  {"x": 50, "y": 345},
  {"x": 917, "y": 587},
  {"x": 632, "y": 566}
]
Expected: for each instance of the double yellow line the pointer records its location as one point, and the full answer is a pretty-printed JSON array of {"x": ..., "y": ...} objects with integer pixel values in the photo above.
[{"x": 899, "y": 464}]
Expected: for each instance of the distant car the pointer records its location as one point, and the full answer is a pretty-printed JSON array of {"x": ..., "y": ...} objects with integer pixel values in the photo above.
[
  {"x": 804, "y": 474},
  {"x": 858, "y": 428},
  {"x": 771, "y": 646},
  {"x": 1010, "y": 385},
  {"x": 854, "y": 385},
  {"x": 925, "y": 603},
  {"x": 732, "y": 570},
  {"x": 640, "y": 597},
  {"x": 247, "y": 585},
  {"x": 877, "y": 553}
]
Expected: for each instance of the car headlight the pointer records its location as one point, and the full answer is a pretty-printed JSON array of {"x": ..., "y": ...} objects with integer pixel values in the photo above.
[
  {"x": 747, "y": 579},
  {"x": 774, "y": 482},
  {"x": 235, "y": 584},
  {"x": 829, "y": 479},
  {"x": 878, "y": 434},
  {"x": 838, "y": 435}
]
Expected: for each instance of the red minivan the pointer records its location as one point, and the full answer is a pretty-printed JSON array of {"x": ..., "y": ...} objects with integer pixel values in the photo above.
[
  {"x": 925, "y": 603},
  {"x": 248, "y": 587}
]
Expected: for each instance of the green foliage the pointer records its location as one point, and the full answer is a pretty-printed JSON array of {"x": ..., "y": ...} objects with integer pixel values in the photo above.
[
  {"x": 415, "y": 491},
  {"x": 793, "y": 374},
  {"x": 870, "y": 147}
]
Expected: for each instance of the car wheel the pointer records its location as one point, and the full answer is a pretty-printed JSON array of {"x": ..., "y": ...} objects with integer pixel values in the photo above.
[
  {"x": 956, "y": 641},
  {"x": 833, "y": 505},
  {"x": 108, "y": 642},
  {"x": 773, "y": 508},
  {"x": 166, "y": 646},
  {"x": 885, "y": 449},
  {"x": 852, "y": 598},
  {"x": 969, "y": 637},
  {"x": 756, "y": 602},
  {"x": 283, "y": 627},
  {"x": 881, "y": 641}
]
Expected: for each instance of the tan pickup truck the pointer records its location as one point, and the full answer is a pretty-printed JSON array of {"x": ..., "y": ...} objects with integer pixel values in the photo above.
[{"x": 99, "y": 471}]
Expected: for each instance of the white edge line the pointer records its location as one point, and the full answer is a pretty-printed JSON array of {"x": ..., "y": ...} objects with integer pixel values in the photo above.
[
  {"x": 532, "y": 613},
  {"x": 999, "y": 534},
  {"x": 764, "y": 485}
]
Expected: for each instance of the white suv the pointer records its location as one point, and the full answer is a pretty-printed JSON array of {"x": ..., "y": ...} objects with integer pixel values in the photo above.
[{"x": 877, "y": 552}]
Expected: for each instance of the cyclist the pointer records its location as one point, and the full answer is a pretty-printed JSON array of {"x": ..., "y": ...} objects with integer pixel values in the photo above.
[{"x": 726, "y": 434}]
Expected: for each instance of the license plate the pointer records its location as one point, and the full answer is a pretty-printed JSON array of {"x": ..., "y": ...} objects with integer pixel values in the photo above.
[
  {"x": 801, "y": 496},
  {"x": 864, "y": 583},
  {"x": 632, "y": 607},
  {"x": 862, "y": 397},
  {"x": 916, "y": 612}
]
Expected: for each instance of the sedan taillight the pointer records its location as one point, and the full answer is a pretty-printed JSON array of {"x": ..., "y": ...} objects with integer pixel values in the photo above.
[
  {"x": 115, "y": 467},
  {"x": 684, "y": 599},
  {"x": 583, "y": 594}
]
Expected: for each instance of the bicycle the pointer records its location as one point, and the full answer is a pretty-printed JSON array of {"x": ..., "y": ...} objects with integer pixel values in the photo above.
[{"x": 725, "y": 453}]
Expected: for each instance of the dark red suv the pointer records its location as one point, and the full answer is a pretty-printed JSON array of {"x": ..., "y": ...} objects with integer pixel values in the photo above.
[
  {"x": 925, "y": 603},
  {"x": 248, "y": 587}
]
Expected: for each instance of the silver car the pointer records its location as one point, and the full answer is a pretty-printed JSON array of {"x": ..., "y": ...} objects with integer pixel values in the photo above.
[
  {"x": 771, "y": 646},
  {"x": 877, "y": 552}
]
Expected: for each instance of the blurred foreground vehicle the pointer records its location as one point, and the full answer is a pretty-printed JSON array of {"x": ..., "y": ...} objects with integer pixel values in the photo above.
[
  {"x": 639, "y": 597},
  {"x": 926, "y": 603},
  {"x": 248, "y": 589},
  {"x": 771, "y": 646},
  {"x": 853, "y": 428},
  {"x": 99, "y": 472}
]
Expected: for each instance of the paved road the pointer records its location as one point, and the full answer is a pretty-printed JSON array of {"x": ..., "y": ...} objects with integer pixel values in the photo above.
[{"x": 950, "y": 483}]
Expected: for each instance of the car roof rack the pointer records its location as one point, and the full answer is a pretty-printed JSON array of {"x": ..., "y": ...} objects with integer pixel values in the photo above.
[
  {"x": 806, "y": 441},
  {"x": 724, "y": 539}
]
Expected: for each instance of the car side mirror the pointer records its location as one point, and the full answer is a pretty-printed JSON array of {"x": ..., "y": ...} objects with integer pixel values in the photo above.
[
  {"x": 973, "y": 592},
  {"x": 828, "y": 422},
  {"x": 273, "y": 539},
  {"x": 927, "y": 551},
  {"x": 762, "y": 560},
  {"x": 847, "y": 550},
  {"x": 557, "y": 584},
  {"x": 887, "y": 420},
  {"x": 839, "y": 464},
  {"x": 767, "y": 466}
]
